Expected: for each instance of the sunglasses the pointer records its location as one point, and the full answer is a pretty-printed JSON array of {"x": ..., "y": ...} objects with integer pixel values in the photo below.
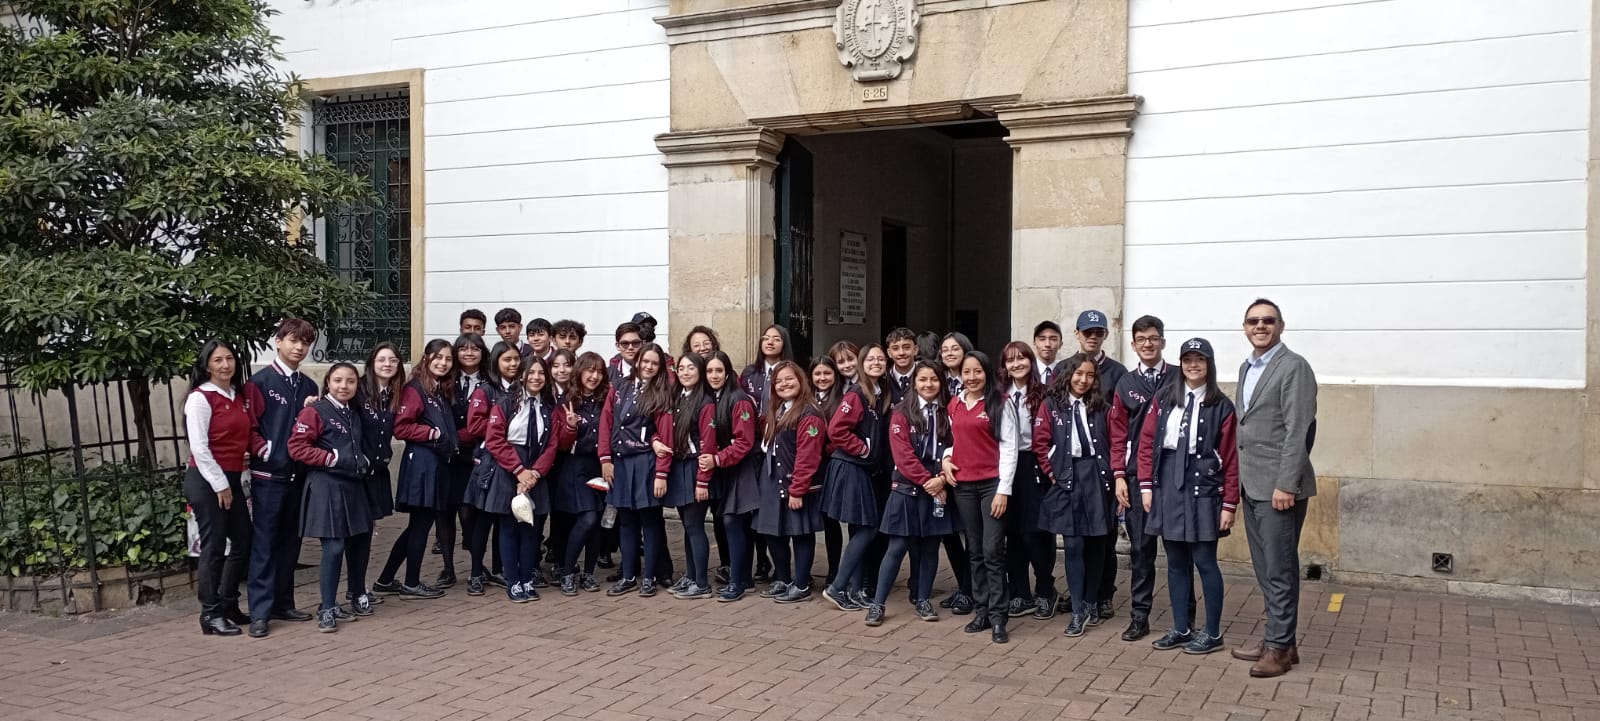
[
  {"x": 1261, "y": 320},
  {"x": 1094, "y": 333}
]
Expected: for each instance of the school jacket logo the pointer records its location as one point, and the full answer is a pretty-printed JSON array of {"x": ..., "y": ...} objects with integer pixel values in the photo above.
[{"x": 811, "y": 431}]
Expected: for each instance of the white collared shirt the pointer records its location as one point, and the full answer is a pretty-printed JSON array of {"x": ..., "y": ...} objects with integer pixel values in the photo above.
[
  {"x": 527, "y": 418},
  {"x": 1017, "y": 403},
  {"x": 1175, "y": 421},
  {"x": 1081, "y": 410},
  {"x": 1252, "y": 375},
  {"x": 197, "y": 421}
]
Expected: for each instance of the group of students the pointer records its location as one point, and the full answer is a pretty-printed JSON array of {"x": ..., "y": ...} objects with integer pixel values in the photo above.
[{"x": 911, "y": 445}]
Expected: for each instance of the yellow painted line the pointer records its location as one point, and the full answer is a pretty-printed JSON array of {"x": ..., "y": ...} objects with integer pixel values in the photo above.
[{"x": 1335, "y": 602}]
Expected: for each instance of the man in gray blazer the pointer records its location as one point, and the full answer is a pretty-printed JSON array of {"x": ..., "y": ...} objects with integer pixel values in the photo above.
[{"x": 1277, "y": 401}]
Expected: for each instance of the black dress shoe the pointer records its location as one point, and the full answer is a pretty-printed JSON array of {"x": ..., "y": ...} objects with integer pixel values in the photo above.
[
  {"x": 1137, "y": 629},
  {"x": 386, "y": 587},
  {"x": 1075, "y": 626},
  {"x": 998, "y": 634},
  {"x": 978, "y": 625},
  {"x": 258, "y": 629},
  {"x": 1105, "y": 610},
  {"x": 961, "y": 604},
  {"x": 218, "y": 626},
  {"x": 291, "y": 614}
]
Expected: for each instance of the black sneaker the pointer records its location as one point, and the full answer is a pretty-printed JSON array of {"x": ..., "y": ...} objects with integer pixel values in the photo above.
[
  {"x": 763, "y": 572},
  {"x": 1044, "y": 608},
  {"x": 445, "y": 580},
  {"x": 327, "y": 620},
  {"x": 623, "y": 585},
  {"x": 679, "y": 586},
  {"x": 949, "y": 601},
  {"x": 340, "y": 614},
  {"x": 693, "y": 591},
  {"x": 961, "y": 605},
  {"x": 1105, "y": 610},
  {"x": 926, "y": 612},
  {"x": 375, "y": 598},
  {"x": 538, "y": 580},
  {"x": 730, "y": 593},
  {"x": 516, "y": 594},
  {"x": 495, "y": 579},
  {"x": 361, "y": 605},
  {"x": 529, "y": 593},
  {"x": 875, "y": 614},
  {"x": 589, "y": 583},
  {"x": 1075, "y": 626},
  {"x": 475, "y": 586},
  {"x": 419, "y": 592},
  {"x": 605, "y": 561},
  {"x": 720, "y": 575},
  {"x": 778, "y": 588},
  {"x": 795, "y": 594},
  {"x": 1019, "y": 607},
  {"x": 861, "y": 598},
  {"x": 1203, "y": 644},
  {"x": 1173, "y": 639},
  {"x": 569, "y": 585},
  {"x": 842, "y": 600},
  {"x": 1094, "y": 618},
  {"x": 647, "y": 588}
]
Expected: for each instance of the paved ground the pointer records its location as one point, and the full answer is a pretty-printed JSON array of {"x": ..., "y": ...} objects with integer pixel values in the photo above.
[{"x": 1381, "y": 655}]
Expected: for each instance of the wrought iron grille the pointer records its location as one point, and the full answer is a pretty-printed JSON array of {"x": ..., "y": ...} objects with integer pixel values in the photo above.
[
  {"x": 793, "y": 301},
  {"x": 370, "y": 244}
]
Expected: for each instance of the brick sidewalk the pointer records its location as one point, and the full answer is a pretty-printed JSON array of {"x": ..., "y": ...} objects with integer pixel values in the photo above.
[{"x": 1383, "y": 655}]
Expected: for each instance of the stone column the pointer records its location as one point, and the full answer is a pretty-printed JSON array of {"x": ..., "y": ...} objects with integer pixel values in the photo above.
[
  {"x": 1068, "y": 188},
  {"x": 720, "y": 233}
]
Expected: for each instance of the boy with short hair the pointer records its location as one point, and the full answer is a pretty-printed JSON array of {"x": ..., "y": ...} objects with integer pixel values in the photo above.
[
  {"x": 473, "y": 321},
  {"x": 901, "y": 345},
  {"x": 570, "y": 334},
  {"x": 539, "y": 338}
]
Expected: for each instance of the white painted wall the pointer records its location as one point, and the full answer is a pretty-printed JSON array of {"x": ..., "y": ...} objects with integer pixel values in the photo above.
[
  {"x": 545, "y": 191},
  {"x": 1404, "y": 177}
]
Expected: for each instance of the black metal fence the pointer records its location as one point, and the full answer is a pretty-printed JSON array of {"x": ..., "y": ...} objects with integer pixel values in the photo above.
[{"x": 91, "y": 506}]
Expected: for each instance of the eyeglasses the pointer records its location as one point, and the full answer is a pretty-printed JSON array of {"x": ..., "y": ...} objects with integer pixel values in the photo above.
[
  {"x": 1261, "y": 320},
  {"x": 1152, "y": 340},
  {"x": 630, "y": 343}
]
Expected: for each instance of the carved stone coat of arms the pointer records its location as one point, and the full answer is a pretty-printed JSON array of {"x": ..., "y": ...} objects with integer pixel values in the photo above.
[{"x": 876, "y": 37}]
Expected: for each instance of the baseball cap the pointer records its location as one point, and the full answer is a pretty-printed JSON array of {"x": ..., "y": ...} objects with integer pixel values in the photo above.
[
  {"x": 1092, "y": 319},
  {"x": 1197, "y": 345},
  {"x": 642, "y": 317}
]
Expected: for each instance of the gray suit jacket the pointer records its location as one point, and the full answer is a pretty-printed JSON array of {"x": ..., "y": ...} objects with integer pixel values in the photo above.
[{"x": 1277, "y": 428}]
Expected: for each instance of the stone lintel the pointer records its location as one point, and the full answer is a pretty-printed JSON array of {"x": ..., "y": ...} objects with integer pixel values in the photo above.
[
  {"x": 744, "y": 146},
  {"x": 787, "y": 16},
  {"x": 1102, "y": 117},
  {"x": 917, "y": 114}
]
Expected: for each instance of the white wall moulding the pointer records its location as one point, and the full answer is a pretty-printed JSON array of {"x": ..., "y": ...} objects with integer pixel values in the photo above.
[
  {"x": 750, "y": 146},
  {"x": 1103, "y": 117}
]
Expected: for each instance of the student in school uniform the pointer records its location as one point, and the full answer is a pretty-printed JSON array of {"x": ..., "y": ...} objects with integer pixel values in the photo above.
[
  {"x": 1027, "y": 544},
  {"x": 1046, "y": 349},
  {"x": 756, "y": 379},
  {"x": 473, "y": 321},
  {"x": 540, "y": 334},
  {"x": 218, "y": 430},
  {"x": 637, "y": 413},
  {"x": 1189, "y": 486},
  {"x": 1091, "y": 335},
  {"x": 916, "y": 515},
  {"x": 578, "y": 435},
  {"x": 377, "y": 400},
  {"x": 629, "y": 341},
  {"x": 562, "y": 364},
  {"x": 426, "y": 422},
  {"x": 569, "y": 334},
  {"x": 701, "y": 341},
  {"x": 1135, "y": 392},
  {"x": 901, "y": 345},
  {"x": 983, "y": 462},
  {"x": 859, "y": 433},
  {"x": 729, "y": 452},
  {"x": 508, "y": 325},
  {"x": 790, "y": 512},
  {"x": 521, "y": 442},
  {"x": 647, "y": 330},
  {"x": 471, "y": 374},
  {"x": 502, "y": 376},
  {"x": 327, "y": 439},
  {"x": 1071, "y": 440},
  {"x": 953, "y": 348},
  {"x": 688, "y": 486},
  {"x": 275, "y": 395},
  {"x": 846, "y": 356},
  {"x": 828, "y": 390},
  {"x": 928, "y": 350}
]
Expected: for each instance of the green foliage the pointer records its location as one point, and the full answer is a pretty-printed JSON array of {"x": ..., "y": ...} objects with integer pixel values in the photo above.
[
  {"x": 146, "y": 190},
  {"x": 138, "y": 517}
]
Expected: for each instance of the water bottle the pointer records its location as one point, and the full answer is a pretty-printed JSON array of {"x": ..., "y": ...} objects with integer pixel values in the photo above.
[
  {"x": 938, "y": 508},
  {"x": 608, "y": 519}
]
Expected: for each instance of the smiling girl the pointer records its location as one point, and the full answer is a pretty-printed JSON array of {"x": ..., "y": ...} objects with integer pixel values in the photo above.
[
  {"x": 788, "y": 515},
  {"x": 520, "y": 440},
  {"x": 426, "y": 422},
  {"x": 327, "y": 438},
  {"x": 637, "y": 413},
  {"x": 729, "y": 452},
  {"x": 1072, "y": 440},
  {"x": 578, "y": 428}
]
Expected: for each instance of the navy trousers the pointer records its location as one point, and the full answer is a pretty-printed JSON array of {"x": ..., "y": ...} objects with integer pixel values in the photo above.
[{"x": 274, "y": 545}]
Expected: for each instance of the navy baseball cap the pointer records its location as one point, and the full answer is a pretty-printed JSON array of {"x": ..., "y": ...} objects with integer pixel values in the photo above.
[
  {"x": 642, "y": 318},
  {"x": 1197, "y": 345},
  {"x": 1092, "y": 319}
]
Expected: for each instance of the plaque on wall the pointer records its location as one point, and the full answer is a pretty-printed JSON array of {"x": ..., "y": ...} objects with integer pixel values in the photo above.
[
  {"x": 876, "y": 37},
  {"x": 852, "y": 278}
]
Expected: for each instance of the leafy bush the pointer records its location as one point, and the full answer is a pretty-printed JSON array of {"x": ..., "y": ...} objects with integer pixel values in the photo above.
[{"x": 137, "y": 517}]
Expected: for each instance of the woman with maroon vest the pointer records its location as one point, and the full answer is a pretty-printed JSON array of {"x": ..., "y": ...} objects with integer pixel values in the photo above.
[
  {"x": 334, "y": 507},
  {"x": 218, "y": 427},
  {"x": 426, "y": 422},
  {"x": 983, "y": 462}
]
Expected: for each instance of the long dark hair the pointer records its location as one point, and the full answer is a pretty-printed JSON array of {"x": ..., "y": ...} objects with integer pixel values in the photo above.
[
  {"x": 656, "y": 397},
  {"x": 686, "y": 408},
  {"x": 994, "y": 401},
  {"x": 336, "y": 367},
  {"x": 547, "y": 394},
  {"x": 491, "y": 361},
  {"x": 872, "y": 390},
  {"x": 928, "y": 350},
  {"x": 201, "y": 373},
  {"x": 1061, "y": 387},
  {"x": 444, "y": 387},
  {"x": 911, "y": 405},
  {"x": 788, "y": 345},
  {"x": 472, "y": 339},
  {"x": 370, "y": 385},
  {"x": 1035, "y": 389},
  {"x": 575, "y": 390},
  {"x": 777, "y": 421},
  {"x": 1173, "y": 391},
  {"x": 827, "y": 401},
  {"x": 726, "y": 398}
]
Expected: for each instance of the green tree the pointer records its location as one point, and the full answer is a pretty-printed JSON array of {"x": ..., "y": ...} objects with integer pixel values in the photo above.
[{"x": 147, "y": 192}]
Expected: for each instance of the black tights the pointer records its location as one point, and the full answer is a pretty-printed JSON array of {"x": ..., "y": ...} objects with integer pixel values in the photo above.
[
  {"x": 357, "y": 554},
  {"x": 1084, "y": 564},
  {"x": 582, "y": 537},
  {"x": 805, "y": 555},
  {"x": 409, "y": 547},
  {"x": 335, "y": 551},
  {"x": 833, "y": 542}
]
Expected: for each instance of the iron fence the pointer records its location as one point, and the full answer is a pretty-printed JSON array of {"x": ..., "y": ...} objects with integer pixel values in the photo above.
[{"x": 92, "y": 512}]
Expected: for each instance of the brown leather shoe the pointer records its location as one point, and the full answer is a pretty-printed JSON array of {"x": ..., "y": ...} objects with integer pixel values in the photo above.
[
  {"x": 1294, "y": 654},
  {"x": 1248, "y": 652},
  {"x": 1274, "y": 662}
]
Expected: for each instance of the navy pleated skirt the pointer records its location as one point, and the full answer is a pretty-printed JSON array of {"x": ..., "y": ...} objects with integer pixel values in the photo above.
[
  {"x": 334, "y": 507},
  {"x": 423, "y": 483},
  {"x": 1086, "y": 510},
  {"x": 741, "y": 485},
  {"x": 911, "y": 516},
  {"x": 380, "y": 492},
  {"x": 491, "y": 491},
  {"x": 849, "y": 497},
  {"x": 633, "y": 482},
  {"x": 1190, "y": 512},
  {"x": 571, "y": 492},
  {"x": 1027, "y": 493},
  {"x": 680, "y": 482}
]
